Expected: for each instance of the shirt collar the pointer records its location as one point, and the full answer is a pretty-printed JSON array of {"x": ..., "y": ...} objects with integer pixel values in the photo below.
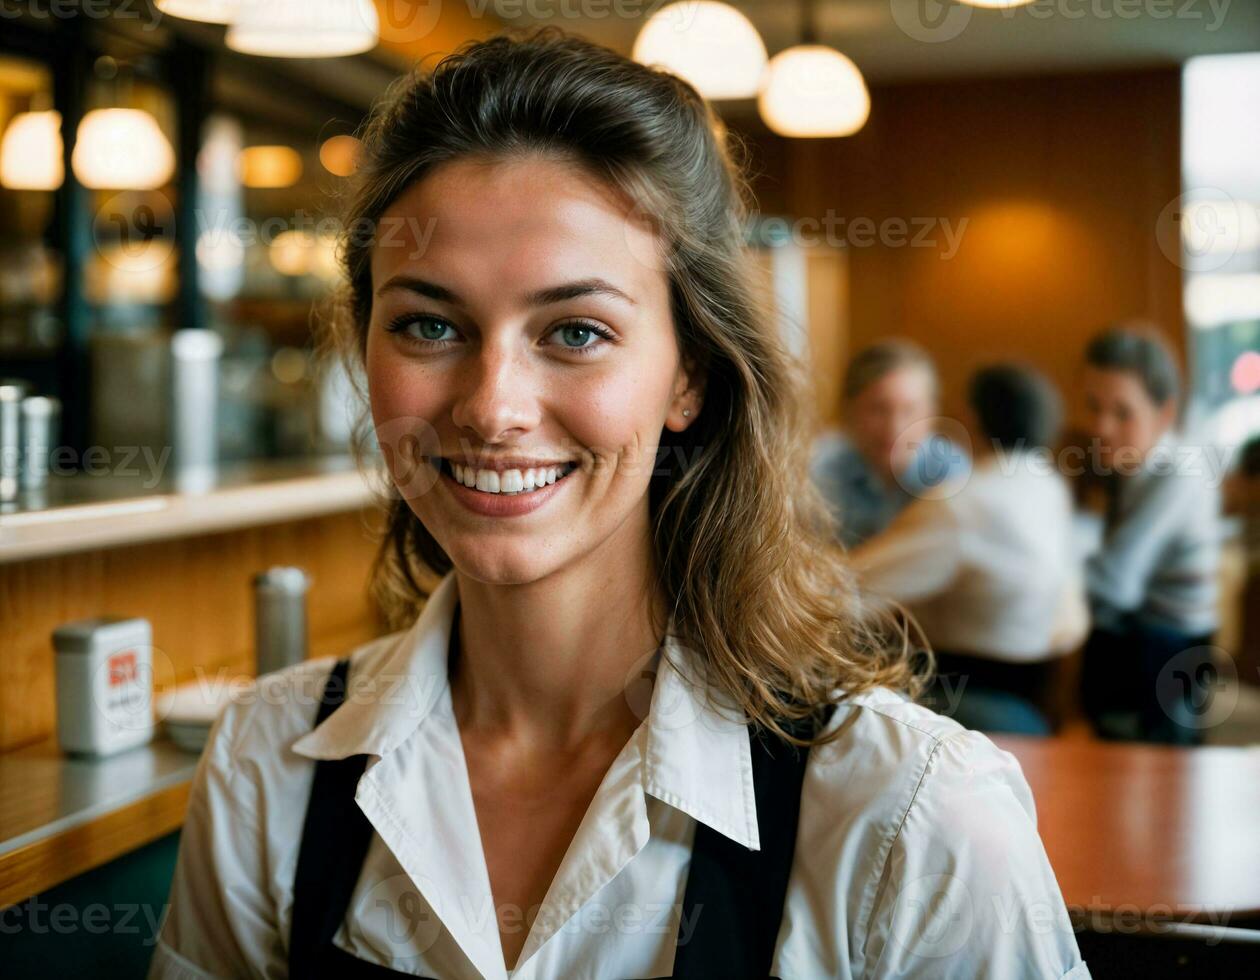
[{"x": 696, "y": 755}]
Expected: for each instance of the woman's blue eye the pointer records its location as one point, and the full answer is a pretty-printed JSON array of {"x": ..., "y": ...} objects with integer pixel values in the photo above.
[
  {"x": 576, "y": 332},
  {"x": 426, "y": 328},
  {"x": 430, "y": 330},
  {"x": 581, "y": 332}
]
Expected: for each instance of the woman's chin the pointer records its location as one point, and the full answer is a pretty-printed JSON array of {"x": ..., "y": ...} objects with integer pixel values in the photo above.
[{"x": 505, "y": 565}]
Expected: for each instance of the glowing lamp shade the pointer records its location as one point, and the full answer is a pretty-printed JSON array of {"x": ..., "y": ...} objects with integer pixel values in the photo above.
[
  {"x": 711, "y": 45},
  {"x": 813, "y": 90},
  {"x": 269, "y": 166},
  {"x": 206, "y": 11},
  {"x": 30, "y": 153},
  {"x": 122, "y": 148},
  {"x": 340, "y": 155},
  {"x": 304, "y": 28}
]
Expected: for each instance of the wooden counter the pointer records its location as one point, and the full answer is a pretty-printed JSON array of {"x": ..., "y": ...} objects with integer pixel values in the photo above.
[{"x": 61, "y": 816}]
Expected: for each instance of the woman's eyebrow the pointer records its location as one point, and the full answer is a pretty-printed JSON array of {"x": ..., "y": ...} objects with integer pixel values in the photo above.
[{"x": 552, "y": 294}]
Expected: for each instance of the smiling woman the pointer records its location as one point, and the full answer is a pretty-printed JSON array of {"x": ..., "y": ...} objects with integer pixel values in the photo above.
[{"x": 581, "y": 758}]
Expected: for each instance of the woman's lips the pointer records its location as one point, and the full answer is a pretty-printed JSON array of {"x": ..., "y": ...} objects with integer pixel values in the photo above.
[{"x": 501, "y": 504}]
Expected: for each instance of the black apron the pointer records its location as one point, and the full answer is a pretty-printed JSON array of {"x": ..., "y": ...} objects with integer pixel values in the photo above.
[{"x": 734, "y": 895}]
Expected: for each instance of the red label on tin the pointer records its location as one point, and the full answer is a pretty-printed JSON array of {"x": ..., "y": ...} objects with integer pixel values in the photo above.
[{"x": 123, "y": 669}]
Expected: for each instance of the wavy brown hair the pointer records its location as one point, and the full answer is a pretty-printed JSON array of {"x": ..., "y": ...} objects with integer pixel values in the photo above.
[{"x": 745, "y": 545}]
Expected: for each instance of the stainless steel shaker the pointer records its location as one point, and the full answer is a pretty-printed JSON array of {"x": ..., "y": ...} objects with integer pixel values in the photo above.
[
  {"x": 280, "y": 617},
  {"x": 11, "y": 394}
]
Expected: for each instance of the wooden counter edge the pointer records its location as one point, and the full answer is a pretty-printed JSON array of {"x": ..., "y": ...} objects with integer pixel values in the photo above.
[{"x": 38, "y": 866}]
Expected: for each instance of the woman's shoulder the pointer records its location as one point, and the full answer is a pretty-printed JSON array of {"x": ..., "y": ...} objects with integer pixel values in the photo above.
[
  {"x": 891, "y": 755},
  {"x": 906, "y": 814}
]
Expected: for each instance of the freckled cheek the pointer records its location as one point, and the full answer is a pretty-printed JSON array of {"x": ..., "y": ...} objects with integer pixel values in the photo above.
[
  {"x": 619, "y": 420},
  {"x": 398, "y": 388}
]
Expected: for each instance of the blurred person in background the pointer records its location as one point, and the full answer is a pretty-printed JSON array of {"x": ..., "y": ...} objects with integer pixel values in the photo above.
[
  {"x": 1153, "y": 586},
  {"x": 888, "y": 453},
  {"x": 987, "y": 565},
  {"x": 1242, "y": 500}
]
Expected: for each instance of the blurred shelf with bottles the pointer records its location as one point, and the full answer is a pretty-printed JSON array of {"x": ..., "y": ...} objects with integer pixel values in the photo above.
[{"x": 152, "y": 181}]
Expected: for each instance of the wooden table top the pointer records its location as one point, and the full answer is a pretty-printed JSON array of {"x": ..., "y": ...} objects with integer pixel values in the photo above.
[{"x": 1131, "y": 827}]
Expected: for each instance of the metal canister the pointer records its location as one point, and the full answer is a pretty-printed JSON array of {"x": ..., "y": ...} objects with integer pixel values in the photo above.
[
  {"x": 40, "y": 418},
  {"x": 195, "y": 357},
  {"x": 104, "y": 684},
  {"x": 12, "y": 392},
  {"x": 280, "y": 617}
]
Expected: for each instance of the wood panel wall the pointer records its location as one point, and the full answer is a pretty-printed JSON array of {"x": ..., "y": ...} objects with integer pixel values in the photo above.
[
  {"x": 1058, "y": 184},
  {"x": 196, "y": 592}
]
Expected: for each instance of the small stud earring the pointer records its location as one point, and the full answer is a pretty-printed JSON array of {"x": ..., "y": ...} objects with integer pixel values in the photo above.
[{"x": 686, "y": 412}]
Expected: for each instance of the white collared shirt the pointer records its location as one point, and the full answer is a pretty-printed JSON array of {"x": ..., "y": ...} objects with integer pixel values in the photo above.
[
  {"x": 917, "y": 853},
  {"x": 988, "y": 564}
]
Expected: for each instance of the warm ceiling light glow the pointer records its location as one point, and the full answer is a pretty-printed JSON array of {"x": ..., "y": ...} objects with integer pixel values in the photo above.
[
  {"x": 292, "y": 252},
  {"x": 207, "y": 11},
  {"x": 122, "y": 148},
  {"x": 711, "y": 45},
  {"x": 997, "y": 4},
  {"x": 340, "y": 155},
  {"x": 269, "y": 166},
  {"x": 304, "y": 28},
  {"x": 30, "y": 154},
  {"x": 813, "y": 90}
]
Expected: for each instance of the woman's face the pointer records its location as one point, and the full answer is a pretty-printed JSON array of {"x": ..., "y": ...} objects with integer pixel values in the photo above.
[{"x": 521, "y": 324}]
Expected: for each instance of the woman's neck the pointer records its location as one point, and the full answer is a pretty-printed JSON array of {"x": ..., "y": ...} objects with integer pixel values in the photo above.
[{"x": 549, "y": 662}]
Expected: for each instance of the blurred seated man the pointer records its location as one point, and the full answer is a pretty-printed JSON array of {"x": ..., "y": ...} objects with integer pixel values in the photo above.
[
  {"x": 1147, "y": 671},
  {"x": 1242, "y": 500},
  {"x": 987, "y": 564},
  {"x": 889, "y": 453}
]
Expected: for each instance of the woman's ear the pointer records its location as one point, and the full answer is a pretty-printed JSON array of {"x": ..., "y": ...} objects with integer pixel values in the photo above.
[{"x": 688, "y": 395}]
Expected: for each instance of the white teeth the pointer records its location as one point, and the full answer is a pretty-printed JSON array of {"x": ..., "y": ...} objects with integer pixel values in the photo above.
[
  {"x": 511, "y": 481},
  {"x": 488, "y": 481},
  {"x": 507, "y": 481}
]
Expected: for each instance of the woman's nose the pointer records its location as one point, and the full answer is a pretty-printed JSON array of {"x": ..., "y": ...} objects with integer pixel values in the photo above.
[{"x": 497, "y": 391}]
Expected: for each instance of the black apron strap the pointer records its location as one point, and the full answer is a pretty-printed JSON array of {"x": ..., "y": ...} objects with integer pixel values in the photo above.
[
  {"x": 734, "y": 896},
  {"x": 733, "y": 902},
  {"x": 335, "y": 838}
]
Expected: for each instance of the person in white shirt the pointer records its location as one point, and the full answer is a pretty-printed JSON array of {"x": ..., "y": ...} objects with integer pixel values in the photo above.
[
  {"x": 580, "y": 759},
  {"x": 1148, "y": 671},
  {"x": 986, "y": 563}
]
